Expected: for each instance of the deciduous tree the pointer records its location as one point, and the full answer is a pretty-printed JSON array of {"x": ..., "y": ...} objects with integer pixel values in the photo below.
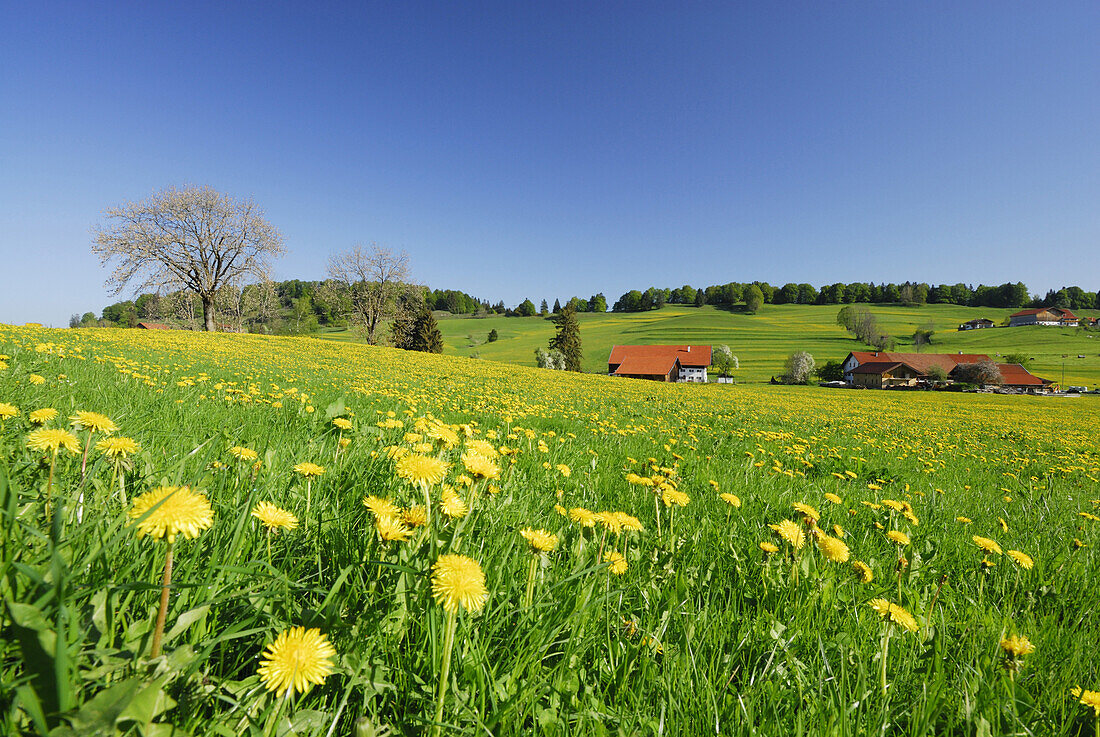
[
  {"x": 367, "y": 285},
  {"x": 194, "y": 238}
]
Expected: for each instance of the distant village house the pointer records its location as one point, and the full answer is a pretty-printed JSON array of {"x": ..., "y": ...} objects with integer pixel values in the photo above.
[
  {"x": 881, "y": 370},
  {"x": 681, "y": 363},
  {"x": 978, "y": 324}
]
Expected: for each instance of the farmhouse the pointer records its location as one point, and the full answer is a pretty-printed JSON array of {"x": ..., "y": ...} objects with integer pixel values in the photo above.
[
  {"x": 920, "y": 362},
  {"x": 1017, "y": 377},
  {"x": 152, "y": 326},
  {"x": 978, "y": 324},
  {"x": 685, "y": 363},
  {"x": 884, "y": 374},
  {"x": 1055, "y": 316}
]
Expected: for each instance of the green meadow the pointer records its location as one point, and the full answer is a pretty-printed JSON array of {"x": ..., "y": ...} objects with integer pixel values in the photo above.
[{"x": 762, "y": 341}]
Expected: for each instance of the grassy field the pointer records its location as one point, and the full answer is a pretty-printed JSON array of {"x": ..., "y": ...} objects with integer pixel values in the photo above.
[
  {"x": 762, "y": 341},
  {"x": 870, "y": 569}
]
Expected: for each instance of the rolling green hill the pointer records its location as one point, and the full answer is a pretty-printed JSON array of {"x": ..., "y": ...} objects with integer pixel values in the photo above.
[{"x": 762, "y": 341}]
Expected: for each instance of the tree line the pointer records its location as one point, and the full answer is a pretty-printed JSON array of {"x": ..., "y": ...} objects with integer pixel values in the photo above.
[{"x": 755, "y": 294}]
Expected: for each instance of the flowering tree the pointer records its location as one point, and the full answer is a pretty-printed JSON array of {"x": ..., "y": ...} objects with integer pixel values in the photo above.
[
  {"x": 800, "y": 365},
  {"x": 194, "y": 239}
]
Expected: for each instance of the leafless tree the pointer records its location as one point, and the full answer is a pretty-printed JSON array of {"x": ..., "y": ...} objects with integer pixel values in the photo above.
[
  {"x": 368, "y": 285},
  {"x": 194, "y": 238}
]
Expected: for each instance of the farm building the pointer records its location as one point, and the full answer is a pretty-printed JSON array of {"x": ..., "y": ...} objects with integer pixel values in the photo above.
[
  {"x": 152, "y": 326},
  {"x": 1053, "y": 316},
  {"x": 978, "y": 324},
  {"x": 921, "y": 362},
  {"x": 885, "y": 374},
  {"x": 686, "y": 363}
]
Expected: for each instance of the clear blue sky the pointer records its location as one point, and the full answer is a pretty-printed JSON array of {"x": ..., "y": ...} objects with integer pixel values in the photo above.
[{"x": 547, "y": 149}]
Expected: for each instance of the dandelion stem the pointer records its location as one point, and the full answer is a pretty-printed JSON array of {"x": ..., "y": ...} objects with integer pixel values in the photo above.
[
  {"x": 532, "y": 570},
  {"x": 165, "y": 583},
  {"x": 657, "y": 507},
  {"x": 885, "y": 649},
  {"x": 445, "y": 668},
  {"x": 272, "y": 726}
]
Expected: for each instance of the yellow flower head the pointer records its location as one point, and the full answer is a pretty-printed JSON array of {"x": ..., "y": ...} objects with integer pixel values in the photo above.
[
  {"x": 49, "y": 439},
  {"x": 1090, "y": 699},
  {"x": 414, "y": 516},
  {"x": 617, "y": 561},
  {"x": 987, "y": 545},
  {"x": 453, "y": 506},
  {"x": 39, "y": 416},
  {"x": 480, "y": 466},
  {"x": 483, "y": 448},
  {"x": 167, "y": 511},
  {"x": 1017, "y": 646},
  {"x": 309, "y": 470},
  {"x": 93, "y": 422},
  {"x": 541, "y": 541},
  {"x": 7, "y": 411},
  {"x": 830, "y": 496},
  {"x": 672, "y": 496},
  {"x": 629, "y": 522},
  {"x": 274, "y": 518},
  {"x": 36, "y": 380},
  {"x": 769, "y": 548},
  {"x": 895, "y": 614},
  {"x": 731, "y": 499},
  {"x": 833, "y": 549},
  {"x": 1022, "y": 559},
  {"x": 245, "y": 455},
  {"x": 381, "y": 507},
  {"x": 582, "y": 517},
  {"x": 898, "y": 537},
  {"x": 117, "y": 447},
  {"x": 458, "y": 581},
  {"x": 564, "y": 470},
  {"x": 964, "y": 520},
  {"x": 610, "y": 521},
  {"x": 790, "y": 532},
  {"x": 866, "y": 575},
  {"x": 807, "y": 512},
  {"x": 421, "y": 469},
  {"x": 342, "y": 423},
  {"x": 298, "y": 659},
  {"x": 391, "y": 527}
]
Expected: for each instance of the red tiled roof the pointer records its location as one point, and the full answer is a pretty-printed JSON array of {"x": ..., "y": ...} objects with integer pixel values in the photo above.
[
  {"x": 1016, "y": 375},
  {"x": 153, "y": 326},
  {"x": 689, "y": 355},
  {"x": 646, "y": 366},
  {"x": 1065, "y": 314},
  {"x": 921, "y": 362}
]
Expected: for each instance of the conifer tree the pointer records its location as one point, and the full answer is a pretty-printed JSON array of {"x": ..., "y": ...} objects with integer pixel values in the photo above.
[
  {"x": 428, "y": 337},
  {"x": 568, "y": 338},
  {"x": 557, "y": 306}
]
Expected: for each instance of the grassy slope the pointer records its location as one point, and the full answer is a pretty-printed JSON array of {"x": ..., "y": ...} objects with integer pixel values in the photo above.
[{"x": 762, "y": 341}]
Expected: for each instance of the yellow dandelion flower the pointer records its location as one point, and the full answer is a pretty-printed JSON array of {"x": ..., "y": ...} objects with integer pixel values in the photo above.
[
  {"x": 458, "y": 581},
  {"x": 1003, "y": 524},
  {"x": 296, "y": 661},
  {"x": 245, "y": 455},
  {"x": 1022, "y": 559},
  {"x": 7, "y": 411},
  {"x": 540, "y": 541},
  {"x": 617, "y": 561},
  {"x": 582, "y": 517},
  {"x": 790, "y": 532},
  {"x": 36, "y": 380},
  {"x": 414, "y": 516},
  {"x": 483, "y": 448},
  {"x": 117, "y": 447},
  {"x": 381, "y": 507},
  {"x": 833, "y": 498},
  {"x": 39, "y": 416},
  {"x": 893, "y": 504},
  {"x": 964, "y": 520},
  {"x": 93, "y": 422},
  {"x": 1017, "y": 646},
  {"x": 730, "y": 499},
  {"x": 839, "y": 531},
  {"x": 987, "y": 564},
  {"x": 274, "y": 518},
  {"x": 480, "y": 466},
  {"x": 629, "y": 522},
  {"x": 895, "y": 614},
  {"x": 672, "y": 496},
  {"x": 987, "y": 545},
  {"x": 309, "y": 470},
  {"x": 806, "y": 511},
  {"x": 564, "y": 470},
  {"x": 866, "y": 575},
  {"x": 167, "y": 511},
  {"x": 769, "y": 548},
  {"x": 391, "y": 527},
  {"x": 341, "y": 423},
  {"x": 48, "y": 439},
  {"x": 610, "y": 521},
  {"x": 421, "y": 469},
  {"x": 453, "y": 506},
  {"x": 1090, "y": 699},
  {"x": 833, "y": 549},
  {"x": 898, "y": 537}
]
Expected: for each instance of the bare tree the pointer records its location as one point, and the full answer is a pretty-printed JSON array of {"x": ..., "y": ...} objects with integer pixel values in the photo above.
[
  {"x": 368, "y": 285},
  {"x": 194, "y": 238}
]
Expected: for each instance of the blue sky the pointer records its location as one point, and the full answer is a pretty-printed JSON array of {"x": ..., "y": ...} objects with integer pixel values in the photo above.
[{"x": 542, "y": 150}]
